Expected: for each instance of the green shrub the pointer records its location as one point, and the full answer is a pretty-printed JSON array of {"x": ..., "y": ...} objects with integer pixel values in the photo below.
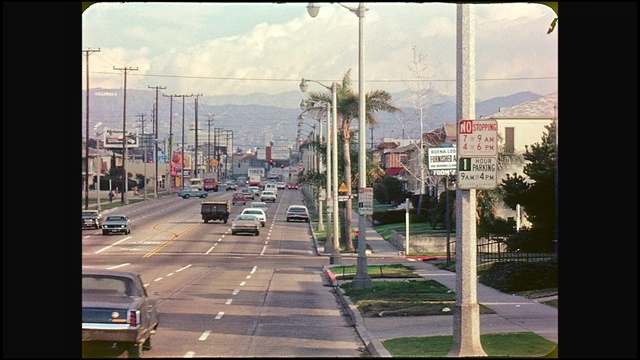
[{"x": 521, "y": 276}]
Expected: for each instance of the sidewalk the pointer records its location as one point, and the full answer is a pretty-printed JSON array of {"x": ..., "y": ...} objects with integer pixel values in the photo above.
[{"x": 512, "y": 313}]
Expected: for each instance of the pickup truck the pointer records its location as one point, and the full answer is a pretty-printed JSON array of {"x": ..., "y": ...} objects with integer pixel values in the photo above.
[
  {"x": 117, "y": 310},
  {"x": 215, "y": 210},
  {"x": 192, "y": 192}
]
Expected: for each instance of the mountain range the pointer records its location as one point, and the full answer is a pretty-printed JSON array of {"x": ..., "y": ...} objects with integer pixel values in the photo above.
[{"x": 258, "y": 119}]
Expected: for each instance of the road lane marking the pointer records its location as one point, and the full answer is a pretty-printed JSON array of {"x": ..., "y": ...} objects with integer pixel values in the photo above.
[{"x": 204, "y": 335}]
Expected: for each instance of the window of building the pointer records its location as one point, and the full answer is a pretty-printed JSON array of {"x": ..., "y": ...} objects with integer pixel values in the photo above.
[{"x": 509, "y": 140}]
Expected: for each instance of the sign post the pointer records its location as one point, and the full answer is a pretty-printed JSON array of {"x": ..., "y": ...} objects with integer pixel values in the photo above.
[
  {"x": 477, "y": 154},
  {"x": 365, "y": 201}
]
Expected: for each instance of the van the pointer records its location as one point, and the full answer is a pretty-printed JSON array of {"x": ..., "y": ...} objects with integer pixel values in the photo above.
[{"x": 271, "y": 187}]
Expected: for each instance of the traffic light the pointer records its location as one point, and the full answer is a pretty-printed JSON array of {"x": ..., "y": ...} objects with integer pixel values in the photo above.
[
  {"x": 270, "y": 161},
  {"x": 282, "y": 166}
]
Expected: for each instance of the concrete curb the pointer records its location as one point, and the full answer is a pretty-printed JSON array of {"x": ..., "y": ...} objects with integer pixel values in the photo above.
[{"x": 374, "y": 346}]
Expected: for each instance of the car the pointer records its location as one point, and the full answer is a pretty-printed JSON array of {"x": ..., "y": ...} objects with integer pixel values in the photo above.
[
  {"x": 91, "y": 219},
  {"x": 272, "y": 187},
  {"x": 248, "y": 193},
  {"x": 293, "y": 186},
  {"x": 258, "y": 213},
  {"x": 231, "y": 185},
  {"x": 297, "y": 213},
  {"x": 245, "y": 224},
  {"x": 256, "y": 190},
  {"x": 260, "y": 205},
  {"x": 268, "y": 195},
  {"x": 238, "y": 198},
  {"x": 117, "y": 310},
  {"x": 193, "y": 192},
  {"x": 281, "y": 185},
  {"x": 116, "y": 224}
]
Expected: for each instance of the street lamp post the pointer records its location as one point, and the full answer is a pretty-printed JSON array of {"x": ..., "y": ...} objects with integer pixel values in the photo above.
[
  {"x": 99, "y": 166},
  {"x": 362, "y": 279},
  {"x": 332, "y": 167}
]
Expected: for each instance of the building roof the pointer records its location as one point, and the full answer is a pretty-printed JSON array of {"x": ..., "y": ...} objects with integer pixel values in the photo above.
[
  {"x": 387, "y": 145},
  {"x": 545, "y": 107}
]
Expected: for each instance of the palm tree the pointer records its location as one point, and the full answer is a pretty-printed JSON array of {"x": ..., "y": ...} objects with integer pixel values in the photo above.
[{"x": 347, "y": 111}]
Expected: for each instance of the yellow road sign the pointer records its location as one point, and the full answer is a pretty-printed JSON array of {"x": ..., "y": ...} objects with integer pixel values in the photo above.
[{"x": 342, "y": 188}]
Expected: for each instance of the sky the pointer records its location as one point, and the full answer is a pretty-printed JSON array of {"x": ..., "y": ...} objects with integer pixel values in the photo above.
[{"x": 241, "y": 49}]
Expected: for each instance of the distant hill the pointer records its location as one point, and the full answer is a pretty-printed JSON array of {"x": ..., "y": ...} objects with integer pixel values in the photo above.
[{"x": 256, "y": 119}]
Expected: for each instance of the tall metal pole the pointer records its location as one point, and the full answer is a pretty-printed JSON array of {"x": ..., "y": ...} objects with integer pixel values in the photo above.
[
  {"x": 182, "y": 150},
  {"x": 155, "y": 156},
  {"x": 195, "y": 152},
  {"x": 124, "y": 199},
  {"x": 362, "y": 279},
  {"x": 170, "y": 152},
  {"x": 336, "y": 257},
  {"x": 86, "y": 145},
  {"x": 209, "y": 121}
]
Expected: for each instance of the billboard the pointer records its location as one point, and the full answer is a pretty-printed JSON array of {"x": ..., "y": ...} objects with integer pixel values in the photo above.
[
  {"x": 113, "y": 139},
  {"x": 280, "y": 153}
]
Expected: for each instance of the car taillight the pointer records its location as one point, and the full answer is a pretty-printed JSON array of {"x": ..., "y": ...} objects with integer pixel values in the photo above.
[{"x": 134, "y": 317}]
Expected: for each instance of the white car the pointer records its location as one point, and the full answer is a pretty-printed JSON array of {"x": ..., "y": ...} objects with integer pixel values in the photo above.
[
  {"x": 268, "y": 195},
  {"x": 257, "y": 212},
  {"x": 261, "y": 205}
]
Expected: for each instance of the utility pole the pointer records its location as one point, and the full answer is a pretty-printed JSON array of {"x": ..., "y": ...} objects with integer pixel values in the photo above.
[
  {"x": 124, "y": 199},
  {"x": 195, "y": 153},
  {"x": 182, "y": 150},
  {"x": 209, "y": 121},
  {"x": 170, "y": 152},
  {"x": 87, "y": 52},
  {"x": 144, "y": 156},
  {"x": 155, "y": 156}
]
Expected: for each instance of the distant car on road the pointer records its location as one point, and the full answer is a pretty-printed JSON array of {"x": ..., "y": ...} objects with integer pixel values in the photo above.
[
  {"x": 91, "y": 219},
  {"x": 116, "y": 224},
  {"x": 231, "y": 185},
  {"x": 238, "y": 198},
  {"x": 297, "y": 213},
  {"x": 258, "y": 213},
  {"x": 261, "y": 205},
  {"x": 248, "y": 193},
  {"x": 292, "y": 186},
  {"x": 192, "y": 192},
  {"x": 281, "y": 185},
  {"x": 268, "y": 195},
  {"x": 116, "y": 310},
  {"x": 245, "y": 224}
]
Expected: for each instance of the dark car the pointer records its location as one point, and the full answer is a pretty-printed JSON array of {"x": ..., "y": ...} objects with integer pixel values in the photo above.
[
  {"x": 297, "y": 213},
  {"x": 238, "y": 198},
  {"x": 117, "y": 311},
  {"x": 91, "y": 219},
  {"x": 116, "y": 224}
]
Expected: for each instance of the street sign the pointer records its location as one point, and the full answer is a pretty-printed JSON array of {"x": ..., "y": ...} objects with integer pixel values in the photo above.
[
  {"x": 477, "y": 138},
  {"x": 442, "y": 158},
  {"x": 443, "y": 172},
  {"x": 343, "y": 188},
  {"x": 345, "y": 197},
  {"x": 477, "y": 173},
  {"x": 365, "y": 201}
]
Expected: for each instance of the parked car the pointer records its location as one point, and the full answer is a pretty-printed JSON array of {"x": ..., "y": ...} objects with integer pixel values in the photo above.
[
  {"x": 116, "y": 224},
  {"x": 238, "y": 198},
  {"x": 116, "y": 309},
  {"x": 261, "y": 205},
  {"x": 248, "y": 193},
  {"x": 231, "y": 185},
  {"x": 268, "y": 195},
  {"x": 297, "y": 213},
  {"x": 292, "y": 186},
  {"x": 91, "y": 219},
  {"x": 215, "y": 210},
  {"x": 193, "y": 192},
  {"x": 245, "y": 224},
  {"x": 259, "y": 213}
]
